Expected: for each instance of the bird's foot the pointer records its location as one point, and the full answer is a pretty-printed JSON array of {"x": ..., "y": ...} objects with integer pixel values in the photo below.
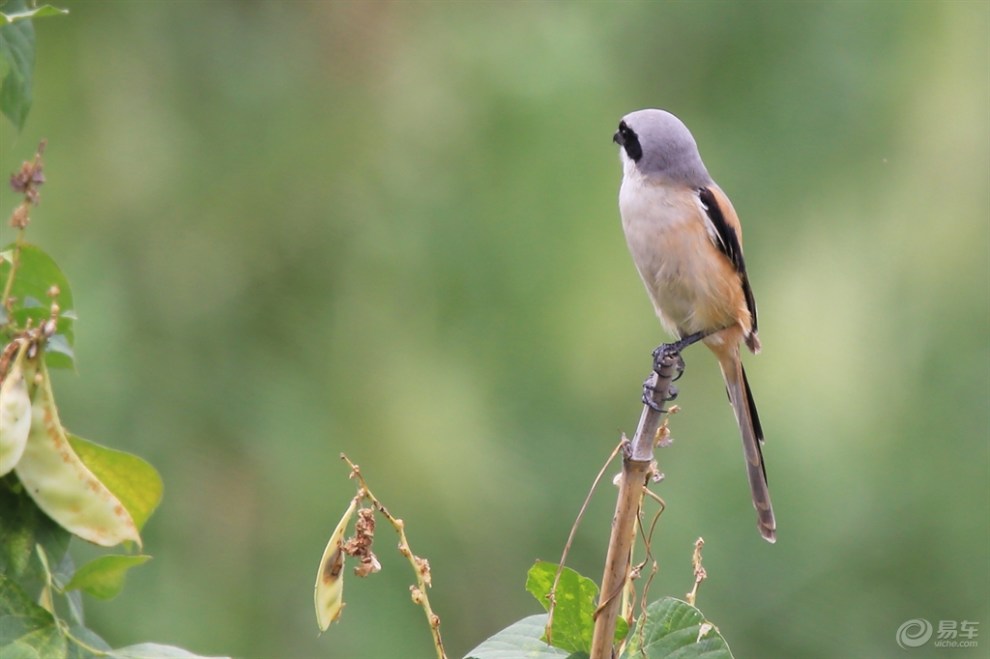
[
  {"x": 650, "y": 390},
  {"x": 673, "y": 351}
]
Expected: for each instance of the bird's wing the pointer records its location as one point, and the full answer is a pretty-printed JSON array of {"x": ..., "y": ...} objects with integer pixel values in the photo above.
[{"x": 726, "y": 234}]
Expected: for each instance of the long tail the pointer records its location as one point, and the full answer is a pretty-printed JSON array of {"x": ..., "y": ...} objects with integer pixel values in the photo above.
[{"x": 741, "y": 399}]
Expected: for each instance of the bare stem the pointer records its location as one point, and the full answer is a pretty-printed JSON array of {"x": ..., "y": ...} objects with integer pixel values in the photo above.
[
  {"x": 420, "y": 565},
  {"x": 637, "y": 468},
  {"x": 25, "y": 181},
  {"x": 14, "y": 263},
  {"x": 700, "y": 574}
]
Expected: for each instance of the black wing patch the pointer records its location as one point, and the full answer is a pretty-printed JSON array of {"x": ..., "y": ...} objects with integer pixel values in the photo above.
[{"x": 728, "y": 243}]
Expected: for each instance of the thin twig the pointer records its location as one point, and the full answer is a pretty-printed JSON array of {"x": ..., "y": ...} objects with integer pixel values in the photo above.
[
  {"x": 552, "y": 595},
  {"x": 654, "y": 567},
  {"x": 26, "y": 182},
  {"x": 420, "y": 565},
  {"x": 700, "y": 574},
  {"x": 15, "y": 261}
]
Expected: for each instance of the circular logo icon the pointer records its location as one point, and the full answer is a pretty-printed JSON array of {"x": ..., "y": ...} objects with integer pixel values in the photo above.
[{"x": 914, "y": 633}]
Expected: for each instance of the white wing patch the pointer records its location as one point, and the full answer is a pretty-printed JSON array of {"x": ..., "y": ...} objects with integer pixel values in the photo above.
[{"x": 710, "y": 228}]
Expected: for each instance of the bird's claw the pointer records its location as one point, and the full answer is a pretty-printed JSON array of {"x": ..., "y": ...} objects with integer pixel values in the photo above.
[
  {"x": 652, "y": 404},
  {"x": 669, "y": 351},
  {"x": 649, "y": 394},
  {"x": 662, "y": 356}
]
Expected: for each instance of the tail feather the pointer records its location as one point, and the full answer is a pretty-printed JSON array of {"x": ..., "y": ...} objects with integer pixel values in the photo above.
[
  {"x": 754, "y": 417},
  {"x": 741, "y": 399}
]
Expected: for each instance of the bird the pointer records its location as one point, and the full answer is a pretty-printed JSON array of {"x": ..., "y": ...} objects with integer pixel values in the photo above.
[{"x": 686, "y": 241}]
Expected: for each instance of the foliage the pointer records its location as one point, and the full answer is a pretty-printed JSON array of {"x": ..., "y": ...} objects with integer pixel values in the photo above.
[
  {"x": 575, "y": 598},
  {"x": 17, "y": 56},
  {"x": 53, "y": 485},
  {"x": 667, "y": 628}
]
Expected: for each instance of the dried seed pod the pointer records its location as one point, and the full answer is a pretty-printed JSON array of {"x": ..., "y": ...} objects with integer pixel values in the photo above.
[
  {"x": 15, "y": 411},
  {"x": 62, "y": 485},
  {"x": 329, "y": 592}
]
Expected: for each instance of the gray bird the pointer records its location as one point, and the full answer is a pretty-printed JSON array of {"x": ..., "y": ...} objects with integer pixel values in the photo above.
[{"x": 686, "y": 241}]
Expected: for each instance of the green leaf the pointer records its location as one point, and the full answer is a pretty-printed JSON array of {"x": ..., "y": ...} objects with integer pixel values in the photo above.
[
  {"x": 673, "y": 629},
  {"x": 17, "y": 49},
  {"x": 39, "y": 12},
  {"x": 154, "y": 651},
  {"x": 25, "y": 626},
  {"x": 520, "y": 639},
  {"x": 23, "y": 526},
  {"x": 103, "y": 577},
  {"x": 576, "y": 596},
  {"x": 40, "y": 643},
  {"x": 58, "y": 352},
  {"x": 132, "y": 480},
  {"x": 36, "y": 274},
  {"x": 82, "y": 635},
  {"x": 573, "y": 623}
]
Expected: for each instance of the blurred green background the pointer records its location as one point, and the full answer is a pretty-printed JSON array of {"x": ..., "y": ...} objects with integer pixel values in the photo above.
[{"x": 390, "y": 229}]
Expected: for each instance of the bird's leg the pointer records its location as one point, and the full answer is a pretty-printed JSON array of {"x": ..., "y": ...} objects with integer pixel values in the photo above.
[
  {"x": 674, "y": 350},
  {"x": 668, "y": 350}
]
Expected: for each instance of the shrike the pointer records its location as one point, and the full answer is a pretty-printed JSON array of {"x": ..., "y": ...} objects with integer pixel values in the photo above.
[{"x": 686, "y": 241}]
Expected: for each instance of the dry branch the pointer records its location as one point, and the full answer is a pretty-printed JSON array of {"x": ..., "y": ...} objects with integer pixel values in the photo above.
[{"x": 637, "y": 468}]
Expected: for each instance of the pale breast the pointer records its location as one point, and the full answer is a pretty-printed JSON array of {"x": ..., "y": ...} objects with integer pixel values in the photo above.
[{"x": 692, "y": 285}]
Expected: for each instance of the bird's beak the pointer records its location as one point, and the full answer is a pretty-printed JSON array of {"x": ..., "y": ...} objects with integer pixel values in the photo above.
[{"x": 617, "y": 138}]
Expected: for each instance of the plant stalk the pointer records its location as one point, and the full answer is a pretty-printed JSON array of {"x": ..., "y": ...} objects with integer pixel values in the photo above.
[{"x": 637, "y": 468}]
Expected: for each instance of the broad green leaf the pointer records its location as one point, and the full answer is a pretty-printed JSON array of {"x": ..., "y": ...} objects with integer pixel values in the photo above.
[
  {"x": 132, "y": 480},
  {"x": 520, "y": 639},
  {"x": 23, "y": 526},
  {"x": 34, "y": 277},
  {"x": 58, "y": 352},
  {"x": 328, "y": 595},
  {"x": 673, "y": 629},
  {"x": 17, "y": 50},
  {"x": 37, "y": 644},
  {"x": 577, "y": 597},
  {"x": 38, "y": 12},
  {"x": 103, "y": 577},
  {"x": 90, "y": 639},
  {"x": 154, "y": 651},
  {"x": 20, "y": 618},
  {"x": 62, "y": 485}
]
